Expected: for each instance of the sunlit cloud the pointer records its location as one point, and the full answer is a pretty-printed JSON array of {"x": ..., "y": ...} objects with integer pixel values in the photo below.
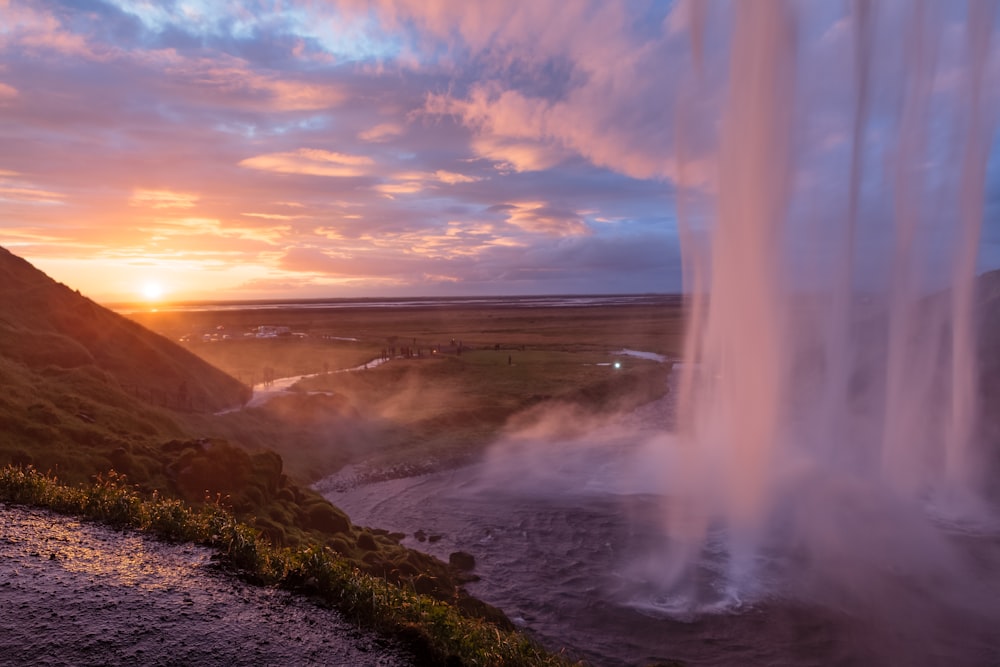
[
  {"x": 313, "y": 162},
  {"x": 451, "y": 178},
  {"x": 162, "y": 199},
  {"x": 36, "y": 30},
  {"x": 382, "y": 132},
  {"x": 511, "y": 131},
  {"x": 229, "y": 80},
  {"x": 201, "y": 230},
  {"x": 7, "y": 93},
  {"x": 400, "y": 188},
  {"x": 30, "y": 195},
  {"x": 272, "y": 216},
  {"x": 405, "y": 183},
  {"x": 543, "y": 218},
  {"x": 17, "y": 190},
  {"x": 15, "y": 237},
  {"x": 357, "y": 147}
]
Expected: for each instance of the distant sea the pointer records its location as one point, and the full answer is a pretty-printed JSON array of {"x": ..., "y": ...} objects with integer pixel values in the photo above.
[{"x": 551, "y": 301}]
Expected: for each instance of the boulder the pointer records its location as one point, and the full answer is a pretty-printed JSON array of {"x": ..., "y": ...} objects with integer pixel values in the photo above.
[{"x": 461, "y": 560}]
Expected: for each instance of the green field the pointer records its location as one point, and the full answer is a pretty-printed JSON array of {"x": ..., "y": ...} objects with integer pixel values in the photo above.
[{"x": 456, "y": 376}]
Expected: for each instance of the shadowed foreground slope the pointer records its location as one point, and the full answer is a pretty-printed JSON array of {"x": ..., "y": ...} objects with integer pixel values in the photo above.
[{"x": 84, "y": 594}]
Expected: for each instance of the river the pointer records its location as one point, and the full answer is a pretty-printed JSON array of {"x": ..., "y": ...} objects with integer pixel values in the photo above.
[{"x": 568, "y": 536}]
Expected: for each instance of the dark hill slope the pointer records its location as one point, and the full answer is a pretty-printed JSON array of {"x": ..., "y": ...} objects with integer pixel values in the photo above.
[
  {"x": 84, "y": 391},
  {"x": 45, "y": 326},
  {"x": 82, "y": 387}
]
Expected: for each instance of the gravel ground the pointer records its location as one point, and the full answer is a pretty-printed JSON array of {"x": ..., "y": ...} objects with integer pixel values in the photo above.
[{"x": 76, "y": 593}]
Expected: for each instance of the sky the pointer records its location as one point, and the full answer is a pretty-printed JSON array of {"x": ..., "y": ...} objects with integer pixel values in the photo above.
[
  {"x": 202, "y": 149},
  {"x": 257, "y": 150}
]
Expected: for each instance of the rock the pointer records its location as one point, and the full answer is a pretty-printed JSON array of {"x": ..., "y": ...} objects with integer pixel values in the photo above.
[
  {"x": 328, "y": 519},
  {"x": 461, "y": 560}
]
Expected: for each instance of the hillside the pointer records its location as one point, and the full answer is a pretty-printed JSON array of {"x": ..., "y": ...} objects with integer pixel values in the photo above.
[
  {"x": 86, "y": 389},
  {"x": 46, "y": 326},
  {"x": 87, "y": 392}
]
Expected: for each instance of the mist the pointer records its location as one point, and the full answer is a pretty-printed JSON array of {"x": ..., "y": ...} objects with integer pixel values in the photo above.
[{"x": 823, "y": 442}]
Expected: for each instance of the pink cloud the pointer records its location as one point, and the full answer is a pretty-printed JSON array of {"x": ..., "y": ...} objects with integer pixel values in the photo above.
[
  {"x": 605, "y": 115},
  {"x": 381, "y": 132},
  {"x": 15, "y": 189},
  {"x": 210, "y": 118},
  {"x": 35, "y": 30},
  {"x": 162, "y": 199},
  {"x": 311, "y": 161},
  {"x": 539, "y": 217},
  {"x": 234, "y": 81},
  {"x": 451, "y": 177}
]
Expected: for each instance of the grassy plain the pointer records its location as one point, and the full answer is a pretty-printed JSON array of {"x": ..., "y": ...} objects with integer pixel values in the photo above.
[{"x": 458, "y": 375}]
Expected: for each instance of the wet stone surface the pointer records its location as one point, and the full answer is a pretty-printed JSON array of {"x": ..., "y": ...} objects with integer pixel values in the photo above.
[{"x": 77, "y": 593}]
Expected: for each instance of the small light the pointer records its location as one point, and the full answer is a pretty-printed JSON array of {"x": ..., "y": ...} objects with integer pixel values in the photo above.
[{"x": 618, "y": 364}]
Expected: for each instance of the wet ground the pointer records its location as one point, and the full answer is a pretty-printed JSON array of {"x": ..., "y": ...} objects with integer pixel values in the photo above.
[{"x": 78, "y": 593}]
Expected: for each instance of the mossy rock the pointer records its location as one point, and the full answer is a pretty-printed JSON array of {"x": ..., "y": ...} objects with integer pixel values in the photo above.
[
  {"x": 367, "y": 542},
  {"x": 462, "y": 560},
  {"x": 341, "y": 546},
  {"x": 273, "y": 531},
  {"x": 328, "y": 519},
  {"x": 267, "y": 467}
]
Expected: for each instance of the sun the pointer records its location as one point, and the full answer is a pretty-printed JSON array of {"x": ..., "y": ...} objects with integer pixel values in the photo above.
[{"x": 152, "y": 291}]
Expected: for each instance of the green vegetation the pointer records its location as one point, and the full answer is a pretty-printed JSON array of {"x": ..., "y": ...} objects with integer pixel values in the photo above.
[
  {"x": 253, "y": 360},
  {"x": 51, "y": 330},
  {"x": 438, "y": 407},
  {"x": 438, "y": 632},
  {"x": 444, "y": 409},
  {"x": 88, "y": 392}
]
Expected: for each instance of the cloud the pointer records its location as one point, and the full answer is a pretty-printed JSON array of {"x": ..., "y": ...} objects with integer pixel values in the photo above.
[
  {"x": 272, "y": 216},
  {"x": 542, "y": 218},
  {"x": 312, "y": 161},
  {"x": 37, "y": 31},
  {"x": 445, "y": 141},
  {"x": 162, "y": 199},
  {"x": 400, "y": 188},
  {"x": 405, "y": 183},
  {"x": 586, "y": 79},
  {"x": 382, "y": 132},
  {"x": 451, "y": 177},
  {"x": 226, "y": 80},
  {"x": 510, "y": 130},
  {"x": 14, "y": 189}
]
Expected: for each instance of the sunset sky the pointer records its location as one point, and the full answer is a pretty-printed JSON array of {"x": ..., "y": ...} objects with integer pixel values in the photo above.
[{"x": 229, "y": 150}]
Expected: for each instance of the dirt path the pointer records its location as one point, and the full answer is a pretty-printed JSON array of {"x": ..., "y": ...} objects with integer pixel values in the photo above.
[{"x": 75, "y": 593}]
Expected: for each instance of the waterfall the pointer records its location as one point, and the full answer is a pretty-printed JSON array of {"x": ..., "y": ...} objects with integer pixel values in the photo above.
[{"x": 830, "y": 268}]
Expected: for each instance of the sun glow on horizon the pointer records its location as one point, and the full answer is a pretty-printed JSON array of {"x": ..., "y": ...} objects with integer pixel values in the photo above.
[{"x": 152, "y": 291}]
